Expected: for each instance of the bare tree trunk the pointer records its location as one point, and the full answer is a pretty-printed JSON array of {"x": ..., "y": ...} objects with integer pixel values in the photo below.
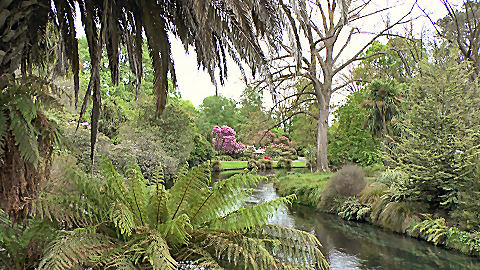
[{"x": 322, "y": 143}]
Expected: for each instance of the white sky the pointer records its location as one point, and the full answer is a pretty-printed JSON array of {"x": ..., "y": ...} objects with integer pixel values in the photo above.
[{"x": 195, "y": 84}]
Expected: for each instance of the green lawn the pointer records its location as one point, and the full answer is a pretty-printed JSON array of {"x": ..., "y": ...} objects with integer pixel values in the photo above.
[
  {"x": 233, "y": 164},
  {"x": 307, "y": 186},
  {"x": 243, "y": 164}
]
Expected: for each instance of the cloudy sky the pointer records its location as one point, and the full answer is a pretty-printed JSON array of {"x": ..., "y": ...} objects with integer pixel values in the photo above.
[{"x": 195, "y": 84}]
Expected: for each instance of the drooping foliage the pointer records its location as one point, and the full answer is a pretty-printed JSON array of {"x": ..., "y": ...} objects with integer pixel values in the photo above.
[
  {"x": 27, "y": 138},
  {"x": 214, "y": 29},
  {"x": 131, "y": 223}
]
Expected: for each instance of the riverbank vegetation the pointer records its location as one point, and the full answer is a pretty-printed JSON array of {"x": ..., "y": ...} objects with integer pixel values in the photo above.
[{"x": 104, "y": 164}]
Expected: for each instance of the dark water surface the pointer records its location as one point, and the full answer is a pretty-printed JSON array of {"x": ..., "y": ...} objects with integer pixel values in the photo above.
[{"x": 352, "y": 245}]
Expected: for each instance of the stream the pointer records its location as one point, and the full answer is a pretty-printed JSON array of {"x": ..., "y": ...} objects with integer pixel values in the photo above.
[{"x": 352, "y": 245}]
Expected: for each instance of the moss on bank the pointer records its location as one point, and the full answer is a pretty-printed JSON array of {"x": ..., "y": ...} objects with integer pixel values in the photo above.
[{"x": 307, "y": 186}]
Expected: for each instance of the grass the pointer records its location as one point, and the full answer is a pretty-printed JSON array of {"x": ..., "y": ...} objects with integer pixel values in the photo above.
[
  {"x": 233, "y": 164},
  {"x": 307, "y": 186},
  {"x": 237, "y": 164}
]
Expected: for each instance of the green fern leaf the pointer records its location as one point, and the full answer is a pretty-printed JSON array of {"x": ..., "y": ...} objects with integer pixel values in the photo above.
[
  {"x": 25, "y": 137},
  {"x": 73, "y": 249},
  {"x": 246, "y": 218}
]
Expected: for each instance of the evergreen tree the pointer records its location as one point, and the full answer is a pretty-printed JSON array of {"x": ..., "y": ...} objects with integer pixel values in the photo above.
[{"x": 440, "y": 133}]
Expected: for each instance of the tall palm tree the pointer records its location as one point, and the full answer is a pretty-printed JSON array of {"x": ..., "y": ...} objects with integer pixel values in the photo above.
[{"x": 214, "y": 29}]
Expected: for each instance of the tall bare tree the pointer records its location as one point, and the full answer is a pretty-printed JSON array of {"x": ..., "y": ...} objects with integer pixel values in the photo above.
[{"x": 319, "y": 49}]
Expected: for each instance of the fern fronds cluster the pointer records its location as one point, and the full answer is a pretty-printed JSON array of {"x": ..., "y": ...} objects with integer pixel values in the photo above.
[
  {"x": 27, "y": 138},
  {"x": 127, "y": 222}
]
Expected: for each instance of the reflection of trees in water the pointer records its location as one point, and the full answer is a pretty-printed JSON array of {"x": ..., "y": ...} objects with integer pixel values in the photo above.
[{"x": 377, "y": 249}]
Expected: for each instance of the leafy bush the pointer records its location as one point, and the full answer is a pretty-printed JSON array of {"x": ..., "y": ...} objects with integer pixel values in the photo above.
[
  {"x": 284, "y": 163},
  {"x": 439, "y": 139},
  {"x": 392, "y": 177},
  {"x": 431, "y": 230},
  {"x": 466, "y": 242},
  {"x": 112, "y": 116},
  {"x": 349, "y": 139},
  {"x": 216, "y": 165},
  {"x": 225, "y": 158},
  {"x": 265, "y": 164},
  {"x": 252, "y": 164},
  {"x": 202, "y": 151},
  {"x": 352, "y": 209}
]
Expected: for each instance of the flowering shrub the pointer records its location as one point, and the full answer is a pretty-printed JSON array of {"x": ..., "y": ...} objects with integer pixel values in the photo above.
[
  {"x": 267, "y": 158},
  {"x": 224, "y": 140}
]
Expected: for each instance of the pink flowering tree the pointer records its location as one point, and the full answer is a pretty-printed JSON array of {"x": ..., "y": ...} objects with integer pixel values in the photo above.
[{"x": 224, "y": 140}]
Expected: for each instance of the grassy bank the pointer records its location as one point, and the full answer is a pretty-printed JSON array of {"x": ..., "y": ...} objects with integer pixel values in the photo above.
[
  {"x": 237, "y": 164},
  {"x": 307, "y": 186},
  {"x": 379, "y": 204}
]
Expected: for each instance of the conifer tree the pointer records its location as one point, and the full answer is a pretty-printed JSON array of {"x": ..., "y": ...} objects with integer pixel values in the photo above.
[{"x": 440, "y": 132}]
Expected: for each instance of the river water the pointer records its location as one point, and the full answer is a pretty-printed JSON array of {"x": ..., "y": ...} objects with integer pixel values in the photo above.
[{"x": 353, "y": 245}]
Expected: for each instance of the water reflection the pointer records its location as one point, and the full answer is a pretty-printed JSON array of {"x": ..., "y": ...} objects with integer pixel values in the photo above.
[{"x": 352, "y": 246}]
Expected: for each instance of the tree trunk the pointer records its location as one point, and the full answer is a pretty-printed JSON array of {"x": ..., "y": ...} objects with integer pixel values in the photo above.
[{"x": 322, "y": 143}]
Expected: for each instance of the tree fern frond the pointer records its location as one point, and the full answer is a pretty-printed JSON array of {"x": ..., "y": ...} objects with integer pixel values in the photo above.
[
  {"x": 137, "y": 192},
  {"x": 157, "y": 209},
  {"x": 295, "y": 245},
  {"x": 73, "y": 249},
  {"x": 155, "y": 250},
  {"x": 239, "y": 251},
  {"x": 175, "y": 231},
  {"x": 189, "y": 189},
  {"x": 199, "y": 257},
  {"x": 24, "y": 137},
  {"x": 74, "y": 201},
  {"x": 224, "y": 196},
  {"x": 246, "y": 218},
  {"x": 123, "y": 218}
]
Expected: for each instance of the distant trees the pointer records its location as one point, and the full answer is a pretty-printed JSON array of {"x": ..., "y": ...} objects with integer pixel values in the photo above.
[
  {"x": 217, "y": 110},
  {"x": 324, "y": 58}
]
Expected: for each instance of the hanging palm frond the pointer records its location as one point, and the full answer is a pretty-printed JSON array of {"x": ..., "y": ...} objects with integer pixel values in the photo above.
[{"x": 212, "y": 28}]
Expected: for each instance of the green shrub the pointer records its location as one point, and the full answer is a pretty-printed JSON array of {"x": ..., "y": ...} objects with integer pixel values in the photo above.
[
  {"x": 431, "y": 230},
  {"x": 390, "y": 177},
  {"x": 252, "y": 164},
  {"x": 264, "y": 164},
  {"x": 352, "y": 209},
  {"x": 202, "y": 151},
  {"x": 284, "y": 163},
  {"x": 225, "y": 158},
  {"x": 216, "y": 165},
  {"x": 466, "y": 242}
]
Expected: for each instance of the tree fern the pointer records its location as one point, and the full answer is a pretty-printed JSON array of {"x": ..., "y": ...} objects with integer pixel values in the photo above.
[{"x": 132, "y": 222}]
